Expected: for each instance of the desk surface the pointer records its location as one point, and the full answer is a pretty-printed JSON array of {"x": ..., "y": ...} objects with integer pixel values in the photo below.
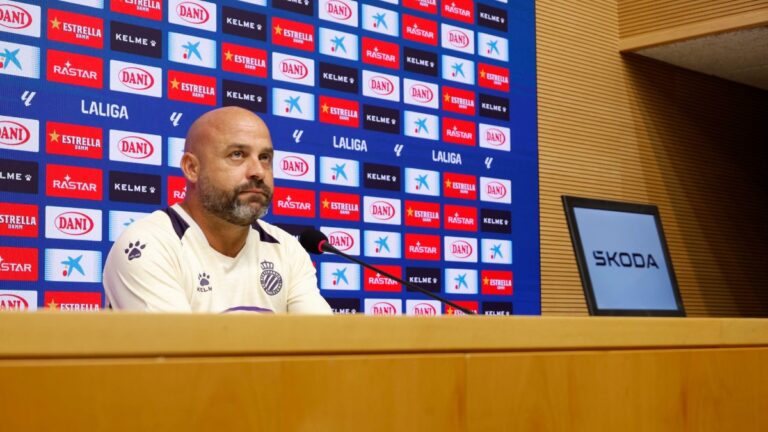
[{"x": 112, "y": 334}]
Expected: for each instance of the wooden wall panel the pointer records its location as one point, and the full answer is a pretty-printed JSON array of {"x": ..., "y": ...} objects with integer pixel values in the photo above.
[{"x": 634, "y": 129}]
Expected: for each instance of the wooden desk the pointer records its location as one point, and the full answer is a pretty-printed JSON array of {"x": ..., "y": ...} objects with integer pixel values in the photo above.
[{"x": 112, "y": 371}]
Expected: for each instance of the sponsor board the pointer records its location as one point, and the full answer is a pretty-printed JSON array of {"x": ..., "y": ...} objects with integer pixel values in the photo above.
[
  {"x": 20, "y": 134},
  {"x": 493, "y": 77},
  {"x": 376, "y": 281},
  {"x": 244, "y": 60},
  {"x": 458, "y": 131},
  {"x": 135, "y": 147},
  {"x": 462, "y": 186},
  {"x": 496, "y": 282},
  {"x": 175, "y": 151},
  {"x": 304, "y": 7},
  {"x": 381, "y": 119},
  {"x": 458, "y": 100},
  {"x": 339, "y": 206},
  {"x": 493, "y": 47},
  {"x": 133, "y": 39},
  {"x": 494, "y": 137},
  {"x": 189, "y": 87},
  {"x": 342, "y": 112},
  {"x": 339, "y": 44},
  {"x": 120, "y": 220},
  {"x": 458, "y": 69},
  {"x": 423, "y": 307},
  {"x": 67, "y": 265},
  {"x": 18, "y": 300},
  {"x": 382, "y": 244},
  {"x": 193, "y": 13},
  {"x": 422, "y": 182},
  {"x": 494, "y": 107},
  {"x": 134, "y": 188},
  {"x": 293, "y": 202},
  {"x": 427, "y": 278},
  {"x": 460, "y": 281},
  {"x": 149, "y": 9},
  {"x": 374, "y": 306},
  {"x": 18, "y": 263},
  {"x": 65, "y": 181},
  {"x": 294, "y": 166},
  {"x": 76, "y": 29},
  {"x": 339, "y": 276},
  {"x": 380, "y": 20},
  {"x": 422, "y": 247},
  {"x": 459, "y": 10},
  {"x": 460, "y": 218},
  {"x": 20, "y": 18},
  {"x": 344, "y": 306},
  {"x": 419, "y": 30},
  {"x": 192, "y": 50},
  {"x": 496, "y": 221},
  {"x": 341, "y": 172},
  {"x": 385, "y": 177},
  {"x": 293, "y": 34},
  {"x": 491, "y": 17},
  {"x": 71, "y": 223},
  {"x": 420, "y": 93},
  {"x": 75, "y": 69},
  {"x": 469, "y": 305},
  {"x": 381, "y": 53},
  {"x": 422, "y": 214},
  {"x": 346, "y": 240},
  {"x": 293, "y": 104},
  {"x": 457, "y": 38},
  {"x": 339, "y": 11},
  {"x": 339, "y": 78},
  {"x": 381, "y": 86},
  {"x": 497, "y": 308},
  {"x": 381, "y": 210},
  {"x": 73, "y": 301},
  {"x": 252, "y": 97},
  {"x": 19, "y": 220},
  {"x": 135, "y": 78},
  {"x": 177, "y": 190},
  {"x": 494, "y": 251},
  {"x": 18, "y": 176},
  {"x": 495, "y": 190},
  {"x": 428, "y": 6},
  {"x": 293, "y": 69},
  {"x": 420, "y": 125},
  {"x": 420, "y": 62},
  {"x": 243, "y": 23},
  {"x": 19, "y": 60},
  {"x": 460, "y": 249}
]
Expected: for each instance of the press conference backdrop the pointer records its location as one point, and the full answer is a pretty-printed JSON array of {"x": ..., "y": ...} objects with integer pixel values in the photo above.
[{"x": 405, "y": 130}]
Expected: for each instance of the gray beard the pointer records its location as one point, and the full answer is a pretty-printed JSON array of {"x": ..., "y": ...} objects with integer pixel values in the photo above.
[{"x": 228, "y": 206}]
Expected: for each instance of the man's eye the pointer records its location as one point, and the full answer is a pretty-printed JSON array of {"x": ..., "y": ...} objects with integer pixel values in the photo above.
[
  {"x": 237, "y": 154},
  {"x": 266, "y": 157}
]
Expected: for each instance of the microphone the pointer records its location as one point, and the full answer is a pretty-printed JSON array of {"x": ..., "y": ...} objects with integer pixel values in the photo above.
[{"x": 315, "y": 242}]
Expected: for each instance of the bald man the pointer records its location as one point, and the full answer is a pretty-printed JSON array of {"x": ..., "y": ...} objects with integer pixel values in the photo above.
[{"x": 211, "y": 253}]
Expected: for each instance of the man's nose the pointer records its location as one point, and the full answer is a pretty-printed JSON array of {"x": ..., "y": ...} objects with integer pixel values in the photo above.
[{"x": 255, "y": 168}]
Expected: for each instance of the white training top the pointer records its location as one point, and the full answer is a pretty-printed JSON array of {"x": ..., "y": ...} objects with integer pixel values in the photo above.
[{"x": 163, "y": 263}]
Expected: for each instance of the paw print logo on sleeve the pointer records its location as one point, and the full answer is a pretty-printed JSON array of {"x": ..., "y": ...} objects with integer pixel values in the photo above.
[
  {"x": 134, "y": 250},
  {"x": 204, "y": 280}
]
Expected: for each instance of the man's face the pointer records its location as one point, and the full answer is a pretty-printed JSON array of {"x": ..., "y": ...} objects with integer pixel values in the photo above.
[{"x": 236, "y": 179}]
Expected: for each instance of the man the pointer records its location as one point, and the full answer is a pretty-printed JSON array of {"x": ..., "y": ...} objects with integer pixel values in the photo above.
[{"x": 211, "y": 253}]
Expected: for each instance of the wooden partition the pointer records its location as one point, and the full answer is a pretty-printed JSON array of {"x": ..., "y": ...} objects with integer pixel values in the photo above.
[{"x": 242, "y": 372}]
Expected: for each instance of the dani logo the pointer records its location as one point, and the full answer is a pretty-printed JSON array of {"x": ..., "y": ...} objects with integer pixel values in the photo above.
[
  {"x": 298, "y": 70},
  {"x": 135, "y": 78},
  {"x": 335, "y": 276},
  {"x": 18, "y": 301},
  {"x": 294, "y": 166},
  {"x": 420, "y": 93},
  {"x": 381, "y": 86},
  {"x": 72, "y": 223},
  {"x": 460, "y": 249},
  {"x": 193, "y": 13},
  {"x": 19, "y": 134},
  {"x": 149, "y": 9},
  {"x": 342, "y": 172},
  {"x": 18, "y": 220},
  {"x": 382, "y": 210},
  {"x": 20, "y": 18},
  {"x": 457, "y": 38},
  {"x": 346, "y": 240},
  {"x": 495, "y": 190},
  {"x": 19, "y": 60},
  {"x": 135, "y": 147},
  {"x": 383, "y": 306},
  {"x": 18, "y": 264},
  {"x": 422, "y": 307},
  {"x": 339, "y": 11},
  {"x": 339, "y": 44},
  {"x": 494, "y": 137},
  {"x": 65, "y": 265}
]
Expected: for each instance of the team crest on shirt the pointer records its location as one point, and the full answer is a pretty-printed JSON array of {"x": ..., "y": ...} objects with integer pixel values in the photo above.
[{"x": 270, "y": 280}]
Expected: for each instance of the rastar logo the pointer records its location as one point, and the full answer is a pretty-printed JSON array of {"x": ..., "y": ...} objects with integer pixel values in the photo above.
[
  {"x": 150, "y": 9},
  {"x": 293, "y": 34},
  {"x": 18, "y": 220},
  {"x": 73, "y": 301},
  {"x": 341, "y": 240},
  {"x": 428, "y": 6},
  {"x": 20, "y": 18},
  {"x": 422, "y": 214},
  {"x": 380, "y": 53},
  {"x": 458, "y": 131},
  {"x": 73, "y": 182},
  {"x": 338, "y": 111},
  {"x": 422, "y": 247},
  {"x": 422, "y": 307},
  {"x": 496, "y": 282},
  {"x": 460, "y": 249},
  {"x": 339, "y": 206},
  {"x": 382, "y": 307},
  {"x": 74, "y": 140},
  {"x": 244, "y": 60},
  {"x": 187, "y": 87},
  {"x": 458, "y": 100},
  {"x": 76, "y": 29},
  {"x": 375, "y": 281},
  {"x": 294, "y": 202},
  {"x": 177, "y": 190},
  {"x": 18, "y": 301},
  {"x": 18, "y": 264},
  {"x": 459, "y": 10},
  {"x": 493, "y": 77},
  {"x": 419, "y": 30},
  {"x": 461, "y": 218},
  {"x": 76, "y": 69},
  {"x": 13, "y": 133},
  {"x": 494, "y": 137}
]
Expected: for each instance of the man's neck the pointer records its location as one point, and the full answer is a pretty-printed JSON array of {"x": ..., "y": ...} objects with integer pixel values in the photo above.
[{"x": 224, "y": 237}]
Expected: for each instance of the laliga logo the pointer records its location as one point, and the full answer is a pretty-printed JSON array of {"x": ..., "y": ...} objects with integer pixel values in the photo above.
[
  {"x": 495, "y": 137},
  {"x": 458, "y": 39},
  {"x": 381, "y": 85},
  {"x": 73, "y": 223},
  {"x": 136, "y": 78},
  {"x": 192, "y": 13},
  {"x": 294, "y": 69},
  {"x": 135, "y": 147},
  {"x": 341, "y": 240},
  {"x": 496, "y": 190},
  {"x": 461, "y": 249},
  {"x": 383, "y": 308},
  {"x": 12, "y": 133},
  {"x": 294, "y": 166},
  {"x": 338, "y": 10},
  {"x": 382, "y": 210},
  {"x": 422, "y": 93},
  {"x": 14, "y": 17},
  {"x": 424, "y": 309},
  {"x": 13, "y": 302}
]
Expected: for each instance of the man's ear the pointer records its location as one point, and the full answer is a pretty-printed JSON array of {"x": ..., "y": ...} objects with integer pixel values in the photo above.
[{"x": 190, "y": 166}]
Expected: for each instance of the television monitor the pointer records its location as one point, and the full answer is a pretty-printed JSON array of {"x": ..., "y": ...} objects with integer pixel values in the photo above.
[{"x": 623, "y": 258}]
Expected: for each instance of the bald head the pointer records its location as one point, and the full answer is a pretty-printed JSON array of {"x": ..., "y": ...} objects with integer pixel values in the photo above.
[{"x": 217, "y": 125}]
